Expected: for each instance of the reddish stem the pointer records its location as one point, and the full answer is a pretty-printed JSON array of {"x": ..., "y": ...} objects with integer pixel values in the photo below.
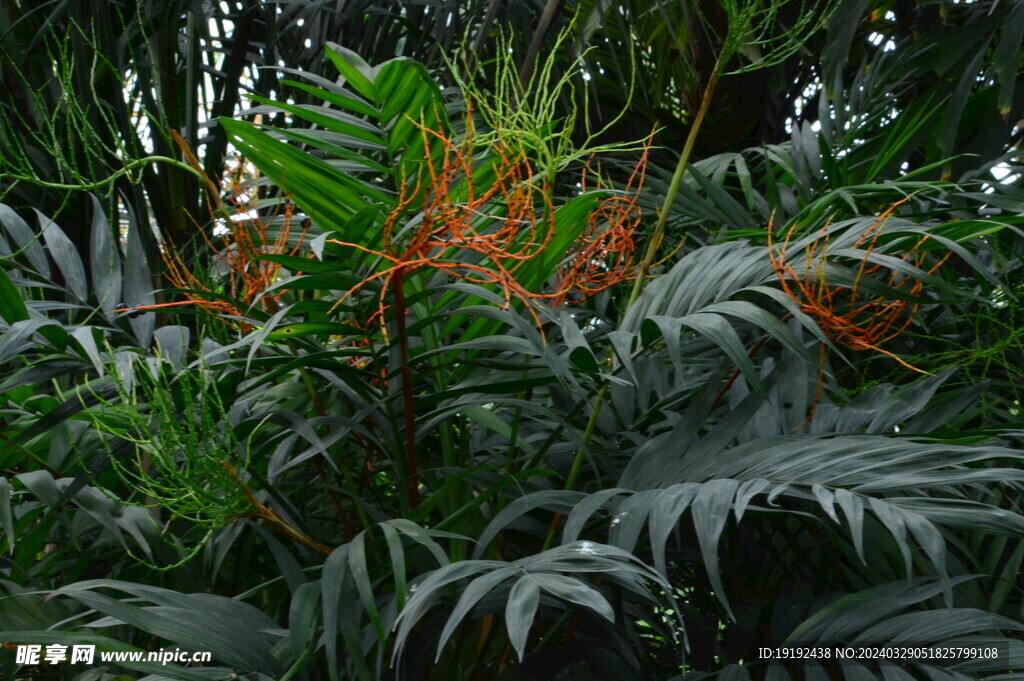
[{"x": 411, "y": 465}]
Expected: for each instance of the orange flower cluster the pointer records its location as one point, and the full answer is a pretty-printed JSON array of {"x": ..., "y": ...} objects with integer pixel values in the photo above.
[
  {"x": 484, "y": 235},
  {"x": 846, "y": 315},
  {"x": 603, "y": 257},
  {"x": 245, "y": 238}
]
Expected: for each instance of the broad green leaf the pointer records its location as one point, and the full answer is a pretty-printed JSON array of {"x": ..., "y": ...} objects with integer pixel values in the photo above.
[
  {"x": 329, "y": 196},
  {"x": 575, "y": 591},
  {"x": 302, "y": 329},
  {"x": 350, "y": 103},
  {"x": 354, "y": 69},
  {"x": 1006, "y": 56},
  {"x": 523, "y": 599},
  {"x": 710, "y": 508},
  {"x": 63, "y": 252},
  {"x": 137, "y": 285},
  {"x": 471, "y": 595},
  {"x": 26, "y": 239},
  {"x": 104, "y": 260},
  {"x": 329, "y": 119}
]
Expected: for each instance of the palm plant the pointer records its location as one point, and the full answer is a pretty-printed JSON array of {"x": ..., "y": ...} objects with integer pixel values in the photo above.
[{"x": 447, "y": 462}]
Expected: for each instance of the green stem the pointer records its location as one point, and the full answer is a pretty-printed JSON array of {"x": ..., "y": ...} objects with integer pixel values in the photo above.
[
  {"x": 514, "y": 435},
  {"x": 577, "y": 463},
  {"x": 101, "y": 183},
  {"x": 551, "y": 632},
  {"x": 645, "y": 265},
  {"x": 673, "y": 187}
]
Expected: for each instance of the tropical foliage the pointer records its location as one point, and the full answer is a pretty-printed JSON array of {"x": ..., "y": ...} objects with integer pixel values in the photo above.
[{"x": 511, "y": 341}]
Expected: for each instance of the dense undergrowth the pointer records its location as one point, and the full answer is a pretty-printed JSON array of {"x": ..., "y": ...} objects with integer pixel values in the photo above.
[{"x": 456, "y": 383}]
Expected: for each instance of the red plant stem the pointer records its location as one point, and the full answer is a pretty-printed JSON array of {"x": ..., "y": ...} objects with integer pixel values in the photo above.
[{"x": 411, "y": 466}]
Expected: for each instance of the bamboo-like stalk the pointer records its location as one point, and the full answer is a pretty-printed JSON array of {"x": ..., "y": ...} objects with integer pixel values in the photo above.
[{"x": 673, "y": 188}]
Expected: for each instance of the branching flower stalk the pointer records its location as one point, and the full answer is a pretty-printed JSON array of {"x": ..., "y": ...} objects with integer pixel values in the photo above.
[
  {"x": 484, "y": 235},
  {"x": 752, "y": 31},
  {"x": 479, "y": 235},
  {"x": 246, "y": 237},
  {"x": 847, "y": 316},
  {"x": 186, "y": 455},
  {"x": 483, "y": 210},
  {"x": 482, "y": 207},
  {"x": 479, "y": 198},
  {"x": 180, "y": 436},
  {"x": 523, "y": 115},
  {"x": 74, "y": 133},
  {"x": 468, "y": 239}
]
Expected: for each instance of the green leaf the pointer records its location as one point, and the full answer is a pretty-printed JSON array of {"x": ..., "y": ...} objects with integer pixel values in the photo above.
[
  {"x": 353, "y": 68},
  {"x": 137, "y": 286},
  {"x": 302, "y": 329},
  {"x": 575, "y": 591},
  {"x": 65, "y": 255},
  {"x": 477, "y": 589},
  {"x": 6, "y": 517},
  {"x": 26, "y": 240},
  {"x": 361, "y": 576},
  {"x": 491, "y": 421},
  {"x": 328, "y": 195},
  {"x": 352, "y": 104},
  {"x": 329, "y": 119},
  {"x": 333, "y": 584},
  {"x": 1006, "y": 56},
  {"x": 104, "y": 260},
  {"x": 523, "y": 599},
  {"x": 12, "y": 307},
  {"x": 194, "y": 620},
  {"x": 711, "y": 507}
]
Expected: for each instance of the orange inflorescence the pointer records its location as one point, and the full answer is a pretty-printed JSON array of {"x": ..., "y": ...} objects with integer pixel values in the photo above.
[
  {"x": 603, "y": 256},
  {"x": 846, "y": 315},
  {"x": 245, "y": 239},
  {"x": 484, "y": 235}
]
